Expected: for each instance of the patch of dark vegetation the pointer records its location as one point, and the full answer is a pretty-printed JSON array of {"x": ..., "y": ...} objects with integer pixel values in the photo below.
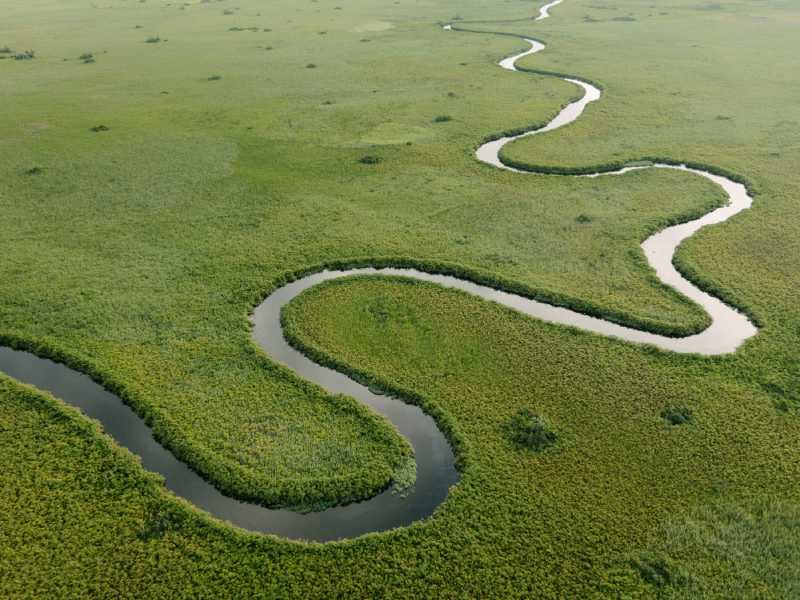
[
  {"x": 442, "y": 119},
  {"x": 583, "y": 218},
  {"x": 6, "y": 50},
  {"x": 253, "y": 29},
  {"x": 530, "y": 430},
  {"x": 33, "y": 171},
  {"x": 723, "y": 118},
  {"x": 153, "y": 39},
  {"x": 785, "y": 399},
  {"x": 677, "y": 415},
  {"x": 25, "y": 55},
  {"x": 327, "y": 102},
  {"x": 311, "y": 66},
  {"x": 156, "y": 524},
  {"x": 370, "y": 159},
  {"x": 625, "y": 19},
  {"x": 659, "y": 572},
  {"x": 87, "y": 58},
  {"x": 215, "y": 77},
  {"x": 99, "y": 128}
]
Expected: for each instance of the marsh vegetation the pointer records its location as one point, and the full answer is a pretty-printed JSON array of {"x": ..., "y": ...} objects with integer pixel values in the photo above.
[{"x": 137, "y": 255}]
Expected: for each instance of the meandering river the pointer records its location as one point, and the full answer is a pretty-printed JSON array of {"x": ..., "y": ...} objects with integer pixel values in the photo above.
[{"x": 436, "y": 471}]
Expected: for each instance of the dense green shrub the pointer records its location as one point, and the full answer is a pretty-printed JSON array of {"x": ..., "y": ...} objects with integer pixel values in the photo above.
[
  {"x": 530, "y": 430},
  {"x": 676, "y": 415},
  {"x": 658, "y": 571}
]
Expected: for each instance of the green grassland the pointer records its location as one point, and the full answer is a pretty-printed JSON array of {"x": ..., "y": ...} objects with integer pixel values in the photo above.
[{"x": 137, "y": 253}]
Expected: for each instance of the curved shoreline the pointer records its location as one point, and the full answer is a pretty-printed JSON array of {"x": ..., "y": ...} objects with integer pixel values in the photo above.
[
  {"x": 729, "y": 328},
  {"x": 436, "y": 471}
]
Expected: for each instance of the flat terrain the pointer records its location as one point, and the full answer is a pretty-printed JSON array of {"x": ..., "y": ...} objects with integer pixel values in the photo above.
[{"x": 231, "y": 157}]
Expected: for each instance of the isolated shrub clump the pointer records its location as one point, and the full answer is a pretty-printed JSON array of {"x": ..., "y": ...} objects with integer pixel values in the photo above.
[
  {"x": 676, "y": 415},
  {"x": 26, "y": 55},
  {"x": 583, "y": 218},
  {"x": 370, "y": 160},
  {"x": 215, "y": 78},
  {"x": 530, "y": 430},
  {"x": 442, "y": 119},
  {"x": 153, "y": 39},
  {"x": 659, "y": 572},
  {"x": 99, "y": 128}
]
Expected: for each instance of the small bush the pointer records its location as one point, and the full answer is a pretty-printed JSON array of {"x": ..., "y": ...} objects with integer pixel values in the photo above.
[
  {"x": 33, "y": 171},
  {"x": 311, "y": 66},
  {"x": 659, "y": 572},
  {"x": 99, "y": 128},
  {"x": 442, "y": 119},
  {"x": 676, "y": 415},
  {"x": 153, "y": 39},
  {"x": 582, "y": 218},
  {"x": 370, "y": 160},
  {"x": 86, "y": 56},
  {"x": 530, "y": 430},
  {"x": 215, "y": 78}
]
